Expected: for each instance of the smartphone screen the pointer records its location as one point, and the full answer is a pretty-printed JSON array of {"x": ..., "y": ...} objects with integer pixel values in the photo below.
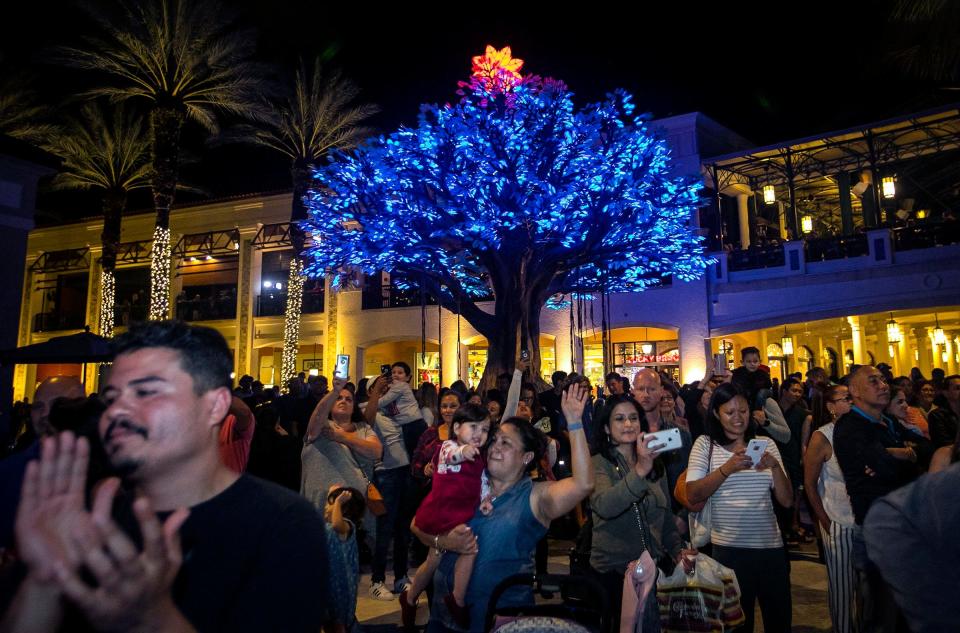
[{"x": 343, "y": 367}]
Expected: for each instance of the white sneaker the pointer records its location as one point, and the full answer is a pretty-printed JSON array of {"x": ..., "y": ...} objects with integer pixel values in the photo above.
[
  {"x": 379, "y": 591},
  {"x": 401, "y": 584}
]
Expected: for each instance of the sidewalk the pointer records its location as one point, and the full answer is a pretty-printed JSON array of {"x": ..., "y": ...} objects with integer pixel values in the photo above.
[{"x": 808, "y": 580}]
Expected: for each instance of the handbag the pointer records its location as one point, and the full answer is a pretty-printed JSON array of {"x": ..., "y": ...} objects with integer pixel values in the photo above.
[
  {"x": 373, "y": 497},
  {"x": 701, "y": 520},
  {"x": 375, "y": 500}
]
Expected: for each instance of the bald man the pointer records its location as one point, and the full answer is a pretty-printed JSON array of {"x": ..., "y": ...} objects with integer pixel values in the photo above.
[
  {"x": 13, "y": 467},
  {"x": 877, "y": 455}
]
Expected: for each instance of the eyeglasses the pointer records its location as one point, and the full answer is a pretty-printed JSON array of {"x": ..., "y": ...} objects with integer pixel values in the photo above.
[{"x": 846, "y": 398}]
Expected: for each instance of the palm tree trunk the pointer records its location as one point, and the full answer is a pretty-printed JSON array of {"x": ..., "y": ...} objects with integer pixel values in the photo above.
[
  {"x": 114, "y": 203},
  {"x": 291, "y": 326},
  {"x": 166, "y": 123}
]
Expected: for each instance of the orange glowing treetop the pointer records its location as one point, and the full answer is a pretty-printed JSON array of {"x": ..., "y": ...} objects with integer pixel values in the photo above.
[{"x": 497, "y": 71}]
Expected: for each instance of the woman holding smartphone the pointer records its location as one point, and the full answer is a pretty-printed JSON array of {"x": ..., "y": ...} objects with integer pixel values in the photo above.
[
  {"x": 743, "y": 527},
  {"x": 631, "y": 503}
]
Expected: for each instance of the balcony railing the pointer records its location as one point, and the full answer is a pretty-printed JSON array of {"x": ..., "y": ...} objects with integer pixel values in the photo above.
[
  {"x": 209, "y": 309},
  {"x": 926, "y": 235},
  {"x": 124, "y": 315},
  {"x": 769, "y": 256},
  {"x": 275, "y": 303},
  {"x": 54, "y": 321},
  {"x": 823, "y": 249}
]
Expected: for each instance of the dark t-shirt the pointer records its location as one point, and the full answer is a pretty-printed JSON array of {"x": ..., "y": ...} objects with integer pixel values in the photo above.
[
  {"x": 254, "y": 557},
  {"x": 248, "y": 551}
]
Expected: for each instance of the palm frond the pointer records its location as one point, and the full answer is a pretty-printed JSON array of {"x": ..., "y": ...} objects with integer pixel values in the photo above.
[
  {"x": 315, "y": 116},
  {"x": 181, "y": 53},
  {"x": 21, "y": 114},
  {"x": 102, "y": 148}
]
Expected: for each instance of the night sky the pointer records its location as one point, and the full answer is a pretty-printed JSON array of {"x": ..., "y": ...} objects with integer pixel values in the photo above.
[{"x": 770, "y": 72}]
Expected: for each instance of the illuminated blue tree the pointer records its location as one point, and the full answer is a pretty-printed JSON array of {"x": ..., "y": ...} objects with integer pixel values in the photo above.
[{"x": 511, "y": 192}]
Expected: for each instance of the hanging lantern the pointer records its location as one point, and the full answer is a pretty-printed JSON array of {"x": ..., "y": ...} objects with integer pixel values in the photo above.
[
  {"x": 806, "y": 224},
  {"x": 893, "y": 331},
  {"x": 889, "y": 187},
  {"x": 890, "y": 351},
  {"x": 786, "y": 342},
  {"x": 921, "y": 214},
  {"x": 939, "y": 337},
  {"x": 769, "y": 194},
  {"x": 944, "y": 356},
  {"x": 646, "y": 348}
]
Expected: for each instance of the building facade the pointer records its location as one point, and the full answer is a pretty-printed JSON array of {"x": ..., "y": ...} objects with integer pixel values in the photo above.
[{"x": 862, "y": 291}]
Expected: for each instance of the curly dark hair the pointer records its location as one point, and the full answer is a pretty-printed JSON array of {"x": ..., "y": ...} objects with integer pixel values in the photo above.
[{"x": 204, "y": 353}]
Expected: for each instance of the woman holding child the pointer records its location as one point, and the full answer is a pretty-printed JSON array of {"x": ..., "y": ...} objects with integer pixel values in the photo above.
[{"x": 504, "y": 540}]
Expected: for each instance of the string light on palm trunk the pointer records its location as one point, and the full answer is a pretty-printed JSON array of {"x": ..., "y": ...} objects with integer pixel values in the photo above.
[
  {"x": 291, "y": 324},
  {"x": 160, "y": 275},
  {"x": 108, "y": 289}
]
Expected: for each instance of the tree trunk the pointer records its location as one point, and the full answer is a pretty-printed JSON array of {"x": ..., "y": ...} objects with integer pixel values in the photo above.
[
  {"x": 300, "y": 173},
  {"x": 114, "y": 203},
  {"x": 166, "y": 122}
]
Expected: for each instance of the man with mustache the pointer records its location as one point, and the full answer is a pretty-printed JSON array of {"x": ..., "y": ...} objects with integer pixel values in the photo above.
[{"x": 220, "y": 550}]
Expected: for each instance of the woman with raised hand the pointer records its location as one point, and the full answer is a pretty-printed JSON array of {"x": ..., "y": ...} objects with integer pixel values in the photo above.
[{"x": 522, "y": 512}]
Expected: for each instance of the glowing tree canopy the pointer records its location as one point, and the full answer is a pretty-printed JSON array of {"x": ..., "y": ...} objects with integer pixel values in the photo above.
[{"x": 512, "y": 192}]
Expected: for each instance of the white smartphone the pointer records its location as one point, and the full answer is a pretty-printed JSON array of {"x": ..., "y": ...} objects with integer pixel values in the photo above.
[
  {"x": 667, "y": 439},
  {"x": 755, "y": 450},
  {"x": 343, "y": 367}
]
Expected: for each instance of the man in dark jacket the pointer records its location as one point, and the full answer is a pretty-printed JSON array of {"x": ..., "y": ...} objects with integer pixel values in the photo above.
[
  {"x": 876, "y": 460},
  {"x": 944, "y": 420}
]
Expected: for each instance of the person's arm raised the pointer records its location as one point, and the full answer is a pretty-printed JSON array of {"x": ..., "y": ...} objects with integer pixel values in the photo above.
[
  {"x": 553, "y": 499},
  {"x": 376, "y": 390},
  {"x": 321, "y": 413}
]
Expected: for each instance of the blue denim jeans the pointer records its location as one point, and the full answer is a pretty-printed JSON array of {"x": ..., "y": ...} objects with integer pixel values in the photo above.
[{"x": 395, "y": 486}]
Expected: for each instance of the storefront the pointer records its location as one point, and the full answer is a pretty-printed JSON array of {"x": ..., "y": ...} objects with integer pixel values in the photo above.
[
  {"x": 477, "y": 360},
  {"x": 632, "y": 349}
]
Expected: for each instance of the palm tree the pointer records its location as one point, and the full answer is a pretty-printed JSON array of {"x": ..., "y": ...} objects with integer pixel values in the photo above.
[
  {"x": 928, "y": 43},
  {"x": 107, "y": 150},
  {"x": 315, "y": 117},
  {"x": 185, "y": 58},
  {"x": 21, "y": 114}
]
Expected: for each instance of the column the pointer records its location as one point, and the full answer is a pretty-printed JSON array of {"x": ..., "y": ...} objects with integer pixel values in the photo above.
[
  {"x": 859, "y": 343},
  {"x": 243, "y": 344},
  {"x": 93, "y": 312},
  {"x": 452, "y": 371},
  {"x": 922, "y": 358},
  {"x": 935, "y": 355},
  {"x": 904, "y": 353},
  {"x": 26, "y": 327},
  {"x": 951, "y": 347},
  {"x": 846, "y": 206},
  {"x": 331, "y": 313},
  {"x": 743, "y": 215}
]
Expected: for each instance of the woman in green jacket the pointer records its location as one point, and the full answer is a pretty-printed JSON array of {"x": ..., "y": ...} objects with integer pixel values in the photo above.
[{"x": 630, "y": 503}]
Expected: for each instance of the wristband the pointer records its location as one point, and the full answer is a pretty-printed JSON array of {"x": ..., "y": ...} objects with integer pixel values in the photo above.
[
  {"x": 725, "y": 475},
  {"x": 436, "y": 546},
  {"x": 576, "y": 426}
]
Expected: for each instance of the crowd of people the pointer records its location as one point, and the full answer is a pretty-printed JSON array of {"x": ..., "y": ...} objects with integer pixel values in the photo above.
[{"x": 172, "y": 500}]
